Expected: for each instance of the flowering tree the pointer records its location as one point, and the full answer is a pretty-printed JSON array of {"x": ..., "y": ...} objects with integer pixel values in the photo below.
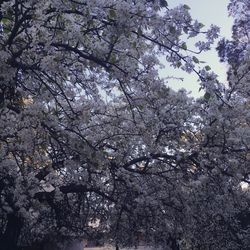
[
  {"x": 222, "y": 194},
  {"x": 94, "y": 143}
]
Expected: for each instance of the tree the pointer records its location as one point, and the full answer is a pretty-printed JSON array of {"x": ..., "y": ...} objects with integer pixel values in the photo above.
[{"x": 94, "y": 143}]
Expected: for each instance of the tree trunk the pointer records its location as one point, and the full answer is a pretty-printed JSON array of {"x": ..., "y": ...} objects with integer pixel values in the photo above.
[{"x": 9, "y": 238}]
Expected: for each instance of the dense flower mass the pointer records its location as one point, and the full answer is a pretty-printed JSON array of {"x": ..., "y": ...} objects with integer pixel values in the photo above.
[{"x": 93, "y": 143}]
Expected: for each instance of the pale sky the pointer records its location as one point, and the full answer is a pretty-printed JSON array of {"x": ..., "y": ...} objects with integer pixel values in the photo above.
[{"x": 207, "y": 12}]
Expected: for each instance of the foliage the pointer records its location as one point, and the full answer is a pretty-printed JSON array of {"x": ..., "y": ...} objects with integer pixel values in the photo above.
[{"x": 94, "y": 144}]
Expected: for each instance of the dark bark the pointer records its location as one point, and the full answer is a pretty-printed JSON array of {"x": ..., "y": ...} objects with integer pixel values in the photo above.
[
  {"x": 9, "y": 238},
  {"x": 172, "y": 241}
]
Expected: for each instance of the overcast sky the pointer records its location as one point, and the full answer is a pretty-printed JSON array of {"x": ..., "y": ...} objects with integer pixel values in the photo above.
[{"x": 207, "y": 12}]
